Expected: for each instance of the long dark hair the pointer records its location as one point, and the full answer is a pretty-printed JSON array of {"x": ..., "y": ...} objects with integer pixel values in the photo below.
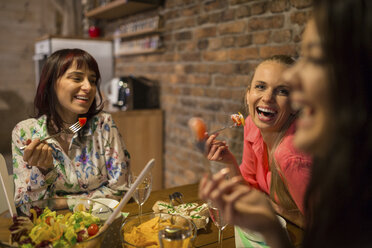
[
  {"x": 339, "y": 197},
  {"x": 56, "y": 65}
]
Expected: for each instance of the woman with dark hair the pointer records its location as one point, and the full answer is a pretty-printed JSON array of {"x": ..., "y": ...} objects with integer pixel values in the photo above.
[
  {"x": 270, "y": 162},
  {"x": 92, "y": 162},
  {"x": 333, "y": 90}
]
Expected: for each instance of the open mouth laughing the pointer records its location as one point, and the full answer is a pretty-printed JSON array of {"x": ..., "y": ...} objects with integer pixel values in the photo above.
[{"x": 266, "y": 114}]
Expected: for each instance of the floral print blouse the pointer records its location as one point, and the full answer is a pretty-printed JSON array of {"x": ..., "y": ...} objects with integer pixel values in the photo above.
[{"x": 96, "y": 164}]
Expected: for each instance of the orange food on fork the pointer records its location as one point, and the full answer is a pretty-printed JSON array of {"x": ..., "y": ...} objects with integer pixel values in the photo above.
[
  {"x": 198, "y": 127},
  {"x": 238, "y": 119}
]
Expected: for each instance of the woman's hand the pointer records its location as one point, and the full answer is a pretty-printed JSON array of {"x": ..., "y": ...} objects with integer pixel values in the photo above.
[
  {"x": 38, "y": 154},
  {"x": 217, "y": 150},
  {"x": 243, "y": 206}
]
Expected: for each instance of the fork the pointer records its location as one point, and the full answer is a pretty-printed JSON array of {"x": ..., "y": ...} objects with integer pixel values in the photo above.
[
  {"x": 71, "y": 129},
  {"x": 176, "y": 196},
  {"x": 223, "y": 128}
]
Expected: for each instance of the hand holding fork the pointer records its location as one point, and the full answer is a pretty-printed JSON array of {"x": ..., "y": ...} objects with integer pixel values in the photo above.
[{"x": 39, "y": 153}]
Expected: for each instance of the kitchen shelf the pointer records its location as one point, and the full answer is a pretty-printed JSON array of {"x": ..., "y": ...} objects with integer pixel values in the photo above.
[
  {"x": 120, "y": 8},
  {"x": 139, "y": 33},
  {"x": 140, "y": 52}
]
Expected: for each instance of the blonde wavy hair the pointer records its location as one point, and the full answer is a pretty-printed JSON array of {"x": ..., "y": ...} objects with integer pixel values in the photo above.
[{"x": 279, "y": 192}]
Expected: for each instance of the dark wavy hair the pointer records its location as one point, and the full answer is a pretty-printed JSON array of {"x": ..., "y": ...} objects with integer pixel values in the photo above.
[
  {"x": 339, "y": 197},
  {"x": 56, "y": 65}
]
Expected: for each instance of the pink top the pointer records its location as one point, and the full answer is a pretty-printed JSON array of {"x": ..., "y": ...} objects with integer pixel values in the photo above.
[{"x": 294, "y": 165}]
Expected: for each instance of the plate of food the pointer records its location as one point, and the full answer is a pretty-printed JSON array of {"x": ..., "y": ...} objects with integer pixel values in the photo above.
[
  {"x": 197, "y": 213},
  {"x": 148, "y": 230},
  {"x": 75, "y": 204}
]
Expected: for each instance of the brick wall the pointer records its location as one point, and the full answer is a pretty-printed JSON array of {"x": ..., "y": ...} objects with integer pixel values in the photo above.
[{"x": 211, "y": 50}]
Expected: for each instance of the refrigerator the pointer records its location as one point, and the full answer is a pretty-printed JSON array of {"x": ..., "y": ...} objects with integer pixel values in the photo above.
[{"x": 101, "y": 50}]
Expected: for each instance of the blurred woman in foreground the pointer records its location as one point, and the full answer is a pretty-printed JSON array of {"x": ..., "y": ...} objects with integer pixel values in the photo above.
[{"x": 332, "y": 88}]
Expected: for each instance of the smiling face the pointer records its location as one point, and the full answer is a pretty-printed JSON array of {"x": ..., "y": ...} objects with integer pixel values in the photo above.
[
  {"x": 268, "y": 97},
  {"x": 75, "y": 90},
  {"x": 310, "y": 94}
]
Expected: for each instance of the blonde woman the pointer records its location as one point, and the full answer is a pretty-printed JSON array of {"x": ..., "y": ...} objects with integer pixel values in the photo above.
[{"x": 270, "y": 162}]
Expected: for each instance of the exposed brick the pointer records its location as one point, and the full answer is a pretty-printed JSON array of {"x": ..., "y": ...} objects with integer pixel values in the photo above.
[
  {"x": 243, "y": 11},
  {"x": 243, "y": 40},
  {"x": 238, "y": 93},
  {"x": 197, "y": 68},
  {"x": 228, "y": 41},
  {"x": 205, "y": 32},
  {"x": 260, "y": 23},
  {"x": 189, "y": 46},
  {"x": 231, "y": 27},
  {"x": 215, "y": 55},
  {"x": 300, "y": 17},
  {"x": 236, "y": 2},
  {"x": 244, "y": 53},
  {"x": 186, "y": 35},
  {"x": 277, "y": 6},
  {"x": 198, "y": 79},
  {"x": 224, "y": 93},
  {"x": 258, "y": 8},
  {"x": 180, "y": 24},
  {"x": 190, "y": 56},
  {"x": 214, "y": 105},
  {"x": 268, "y": 51},
  {"x": 212, "y": 92},
  {"x": 203, "y": 44},
  {"x": 171, "y": 14},
  {"x": 212, "y": 5},
  {"x": 224, "y": 68},
  {"x": 282, "y": 36},
  {"x": 215, "y": 43},
  {"x": 232, "y": 81},
  {"x": 228, "y": 15},
  {"x": 260, "y": 37},
  {"x": 247, "y": 68},
  {"x": 197, "y": 91},
  {"x": 209, "y": 18},
  {"x": 190, "y": 11},
  {"x": 301, "y": 3},
  {"x": 203, "y": 19}
]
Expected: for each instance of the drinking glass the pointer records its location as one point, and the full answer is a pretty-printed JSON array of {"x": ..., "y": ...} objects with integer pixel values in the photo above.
[
  {"x": 178, "y": 235},
  {"x": 214, "y": 212},
  {"x": 143, "y": 190},
  {"x": 218, "y": 221}
]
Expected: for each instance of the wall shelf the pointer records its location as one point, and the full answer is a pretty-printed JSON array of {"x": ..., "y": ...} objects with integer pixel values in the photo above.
[
  {"x": 140, "y": 52},
  {"x": 120, "y": 8},
  {"x": 139, "y": 33}
]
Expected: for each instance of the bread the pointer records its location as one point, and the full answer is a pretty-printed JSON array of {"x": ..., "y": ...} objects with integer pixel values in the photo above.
[{"x": 197, "y": 213}]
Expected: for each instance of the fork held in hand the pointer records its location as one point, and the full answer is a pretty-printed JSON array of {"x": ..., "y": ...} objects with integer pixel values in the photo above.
[
  {"x": 71, "y": 129},
  {"x": 218, "y": 130}
]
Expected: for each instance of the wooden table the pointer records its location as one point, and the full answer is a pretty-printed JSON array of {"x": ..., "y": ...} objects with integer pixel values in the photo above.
[{"x": 205, "y": 238}]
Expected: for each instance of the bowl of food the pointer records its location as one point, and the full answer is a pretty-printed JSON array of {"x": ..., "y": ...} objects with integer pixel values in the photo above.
[
  {"x": 59, "y": 222},
  {"x": 150, "y": 229}
]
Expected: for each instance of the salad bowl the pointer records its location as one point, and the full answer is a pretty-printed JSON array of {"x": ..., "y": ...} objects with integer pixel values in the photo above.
[{"x": 57, "y": 222}]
